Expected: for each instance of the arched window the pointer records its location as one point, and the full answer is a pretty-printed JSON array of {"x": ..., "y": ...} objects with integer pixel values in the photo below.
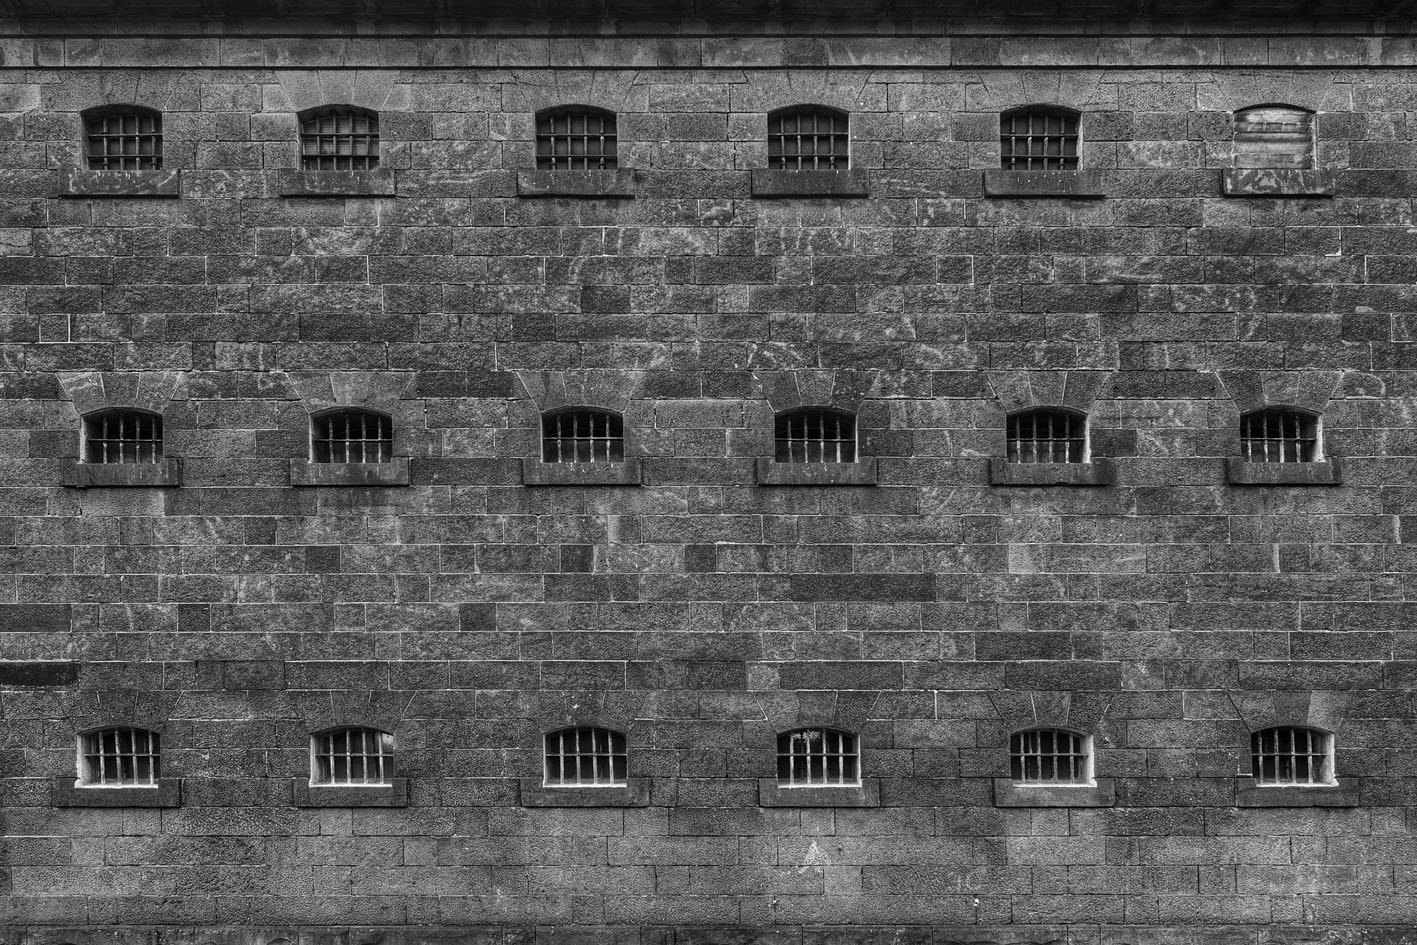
[
  {"x": 352, "y": 757},
  {"x": 1279, "y": 435},
  {"x": 123, "y": 138},
  {"x": 582, "y": 436},
  {"x": 808, "y": 137},
  {"x": 1039, "y": 138},
  {"x": 575, "y": 138},
  {"x": 119, "y": 757},
  {"x": 815, "y": 436},
  {"x": 1291, "y": 755},
  {"x": 1274, "y": 136},
  {"x": 123, "y": 436},
  {"x": 339, "y": 138},
  {"x": 585, "y": 757},
  {"x": 1050, "y": 756},
  {"x": 352, "y": 436},
  {"x": 1047, "y": 435},
  {"x": 818, "y": 757}
]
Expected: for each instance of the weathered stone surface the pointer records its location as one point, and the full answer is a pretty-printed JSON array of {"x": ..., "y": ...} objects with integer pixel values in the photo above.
[
  {"x": 811, "y": 183},
  {"x": 378, "y": 182},
  {"x": 112, "y": 475},
  {"x": 306, "y": 473},
  {"x": 1277, "y": 182},
  {"x": 1083, "y": 183},
  {"x": 617, "y": 183},
  {"x": 77, "y": 182}
]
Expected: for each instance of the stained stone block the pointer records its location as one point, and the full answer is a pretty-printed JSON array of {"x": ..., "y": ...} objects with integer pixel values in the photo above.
[
  {"x": 616, "y": 183},
  {"x": 378, "y": 182},
  {"x": 77, "y": 182},
  {"x": 1080, "y": 183},
  {"x": 1277, "y": 182},
  {"x": 811, "y": 183}
]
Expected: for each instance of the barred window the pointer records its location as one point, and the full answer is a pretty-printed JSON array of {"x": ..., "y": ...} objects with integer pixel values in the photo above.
[
  {"x": 583, "y": 436},
  {"x": 1047, "y": 435},
  {"x": 352, "y": 757},
  {"x": 352, "y": 436},
  {"x": 339, "y": 138},
  {"x": 1039, "y": 138},
  {"x": 123, "y": 436},
  {"x": 1050, "y": 756},
  {"x": 1274, "y": 136},
  {"x": 124, "y": 138},
  {"x": 1279, "y": 435},
  {"x": 1291, "y": 755},
  {"x": 818, "y": 757},
  {"x": 808, "y": 137},
  {"x": 576, "y": 138},
  {"x": 119, "y": 757},
  {"x": 815, "y": 436},
  {"x": 586, "y": 757}
]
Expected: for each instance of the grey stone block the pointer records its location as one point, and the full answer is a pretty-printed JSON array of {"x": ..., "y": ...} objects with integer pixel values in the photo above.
[
  {"x": 378, "y": 182},
  {"x": 616, "y": 183},
  {"x": 63, "y": 792},
  {"x": 772, "y": 473},
  {"x": 1277, "y": 182},
  {"x": 1004, "y": 473},
  {"x": 79, "y": 182},
  {"x": 1249, "y": 794},
  {"x": 635, "y": 793},
  {"x": 392, "y": 473},
  {"x": 123, "y": 475},
  {"x": 537, "y": 473},
  {"x": 1079, "y": 183},
  {"x": 810, "y": 183},
  {"x": 393, "y": 794},
  {"x": 38, "y": 672},
  {"x": 773, "y": 794},
  {"x": 1239, "y": 472},
  {"x": 1009, "y": 793}
]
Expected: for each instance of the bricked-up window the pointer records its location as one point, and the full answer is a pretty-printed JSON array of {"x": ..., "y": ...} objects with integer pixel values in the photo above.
[
  {"x": 808, "y": 138},
  {"x": 123, "y": 138},
  {"x": 1047, "y": 435},
  {"x": 352, "y": 436},
  {"x": 119, "y": 757},
  {"x": 1050, "y": 756},
  {"x": 352, "y": 757},
  {"x": 123, "y": 436},
  {"x": 586, "y": 757},
  {"x": 1279, "y": 435},
  {"x": 1039, "y": 138},
  {"x": 583, "y": 436},
  {"x": 1291, "y": 755},
  {"x": 339, "y": 138},
  {"x": 1274, "y": 136},
  {"x": 815, "y": 436},
  {"x": 818, "y": 757},
  {"x": 576, "y": 138}
]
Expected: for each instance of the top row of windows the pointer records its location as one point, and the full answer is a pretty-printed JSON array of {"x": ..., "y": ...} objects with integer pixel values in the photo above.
[{"x": 804, "y": 137}]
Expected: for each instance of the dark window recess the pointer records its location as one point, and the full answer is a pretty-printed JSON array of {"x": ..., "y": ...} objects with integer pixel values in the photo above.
[
  {"x": 339, "y": 139},
  {"x": 1048, "y": 756},
  {"x": 801, "y": 139},
  {"x": 1274, "y": 136},
  {"x": 583, "y": 436},
  {"x": 576, "y": 139},
  {"x": 1279, "y": 436},
  {"x": 123, "y": 436},
  {"x": 1047, "y": 436},
  {"x": 818, "y": 757},
  {"x": 124, "y": 140},
  {"x": 586, "y": 757},
  {"x": 352, "y": 756},
  {"x": 1290, "y": 755},
  {"x": 117, "y": 757},
  {"x": 1039, "y": 139},
  {"x": 815, "y": 436},
  {"x": 353, "y": 436}
]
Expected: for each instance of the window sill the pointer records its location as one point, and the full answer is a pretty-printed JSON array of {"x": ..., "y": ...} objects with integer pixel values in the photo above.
[
  {"x": 860, "y": 473},
  {"x": 1277, "y": 182},
  {"x": 1002, "y": 183},
  {"x": 633, "y": 794},
  {"x": 537, "y": 473},
  {"x": 393, "y": 794},
  {"x": 865, "y": 794},
  {"x": 376, "y": 183},
  {"x": 1004, "y": 473},
  {"x": 63, "y": 792},
  {"x": 1239, "y": 472},
  {"x": 617, "y": 183},
  {"x": 1250, "y": 794},
  {"x": 392, "y": 473},
  {"x": 78, "y": 182},
  {"x": 771, "y": 183},
  {"x": 123, "y": 475},
  {"x": 1009, "y": 793}
]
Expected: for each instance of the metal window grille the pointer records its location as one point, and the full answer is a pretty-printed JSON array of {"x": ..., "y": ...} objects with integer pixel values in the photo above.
[
  {"x": 815, "y": 436},
  {"x": 583, "y": 436},
  {"x": 353, "y": 436},
  {"x": 1274, "y": 136},
  {"x": 114, "y": 757},
  {"x": 1048, "y": 756},
  {"x": 124, "y": 141},
  {"x": 576, "y": 139},
  {"x": 586, "y": 757},
  {"x": 1279, "y": 436},
  {"x": 123, "y": 436},
  {"x": 353, "y": 756},
  {"x": 808, "y": 139},
  {"x": 1290, "y": 755},
  {"x": 1047, "y": 436},
  {"x": 817, "y": 757},
  {"x": 342, "y": 139},
  {"x": 1038, "y": 140}
]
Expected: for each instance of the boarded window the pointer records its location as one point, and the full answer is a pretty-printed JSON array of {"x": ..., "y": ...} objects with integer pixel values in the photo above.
[
  {"x": 352, "y": 436},
  {"x": 352, "y": 756},
  {"x": 586, "y": 757},
  {"x": 1279, "y": 435},
  {"x": 1039, "y": 138},
  {"x": 583, "y": 436},
  {"x": 808, "y": 137},
  {"x": 339, "y": 138},
  {"x": 1047, "y": 435},
  {"x": 119, "y": 757},
  {"x": 1291, "y": 755},
  {"x": 123, "y": 436},
  {"x": 818, "y": 757},
  {"x": 576, "y": 138},
  {"x": 1050, "y": 756},
  {"x": 1274, "y": 136},
  {"x": 124, "y": 138}
]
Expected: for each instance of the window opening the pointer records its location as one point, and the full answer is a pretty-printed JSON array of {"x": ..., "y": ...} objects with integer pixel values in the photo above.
[
  {"x": 586, "y": 757},
  {"x": 340, "y": 139},
  {"x": 1290, "y": 755},
  {"x": 583, "y": 436},
  {"x": 576, "y": 138},
  {"x": 1047, "y": 436},
  {"x": 808, "y": 138},
  {"x": 1039, "y": 139},
  {"x": 353, "y": 436},
  {"x": 119, "y": 757},
  {"x": 124, "y": 139},
  {"x": 353, "y": 757},
  {"x": 818, "y": 757},
  {"x": 815, "y": 436},
  {"x": 1279, "y": 435},
  {"x": 1274, "y": 136},
  {"x": 1049, "y": 756},
  {"x": 123, "y": 436}
]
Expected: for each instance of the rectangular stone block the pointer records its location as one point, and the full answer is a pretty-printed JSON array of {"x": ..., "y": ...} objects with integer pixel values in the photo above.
[
  {"x": 1239, "y": 472},
  {"x": 79, "y": 182},
  {"x": 810, "y": 183},
  {"x": 392, "y": 473},
  {"x": 861, "y": 587},
  {"x": 1080, "y": 183},
  {"x": 1277, "y": 182},
  {"x": 772, "y": 473},
  {"x": 1010, "y": 793},
  {"x": 773, "y": 794},
  {"x": 608, "y": 183},
  {"x": 38, "y": 673},
  {"x": 537, "y": 473},
  {"x": 123, "y": 475},
  {"x": 63, "y": 792},
  {"x": 378, "y": 182},
  {"x": 635, "y": 793},
  {"x": 393, "y": 794},
  {"x": 1004, "y": 473}
]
